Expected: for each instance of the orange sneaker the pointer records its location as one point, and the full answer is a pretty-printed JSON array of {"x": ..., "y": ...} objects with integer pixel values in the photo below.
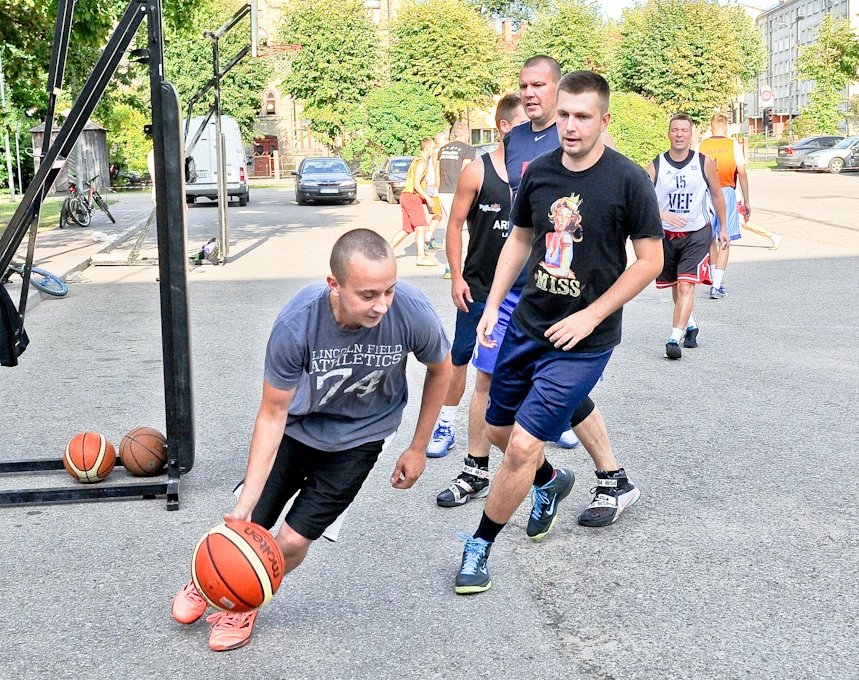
[
  {"x": 188, "y": 605},
  {"x": 231, "y": 630}
]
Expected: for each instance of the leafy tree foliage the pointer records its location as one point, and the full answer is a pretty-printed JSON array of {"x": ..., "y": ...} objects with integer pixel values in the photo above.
[
  {"x": 568, "y": 30},
  {"x": 449, "y": 48},
  {"x": 394, "y": 120},
  {"x": 639, "y": 126},
  {"x": 832, "y": 62},
  {"x": 516, "y": 11},
  {"x": 687, "y": 54},
  {"x": 336, "y": 66}
]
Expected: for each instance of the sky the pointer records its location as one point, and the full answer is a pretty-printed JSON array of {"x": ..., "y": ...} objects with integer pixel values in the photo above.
[{"x": 613, "y": 8}]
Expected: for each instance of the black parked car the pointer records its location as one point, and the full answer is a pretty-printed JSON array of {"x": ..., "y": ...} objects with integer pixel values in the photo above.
[
  {"x": 324, "y": 179},
  {"x": 791, "y": 156},
  {"x": 390, "y": 178}
]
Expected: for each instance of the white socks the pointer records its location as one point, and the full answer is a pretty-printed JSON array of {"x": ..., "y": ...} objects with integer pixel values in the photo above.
[
  {"x": 677, "y": 334},
  {"x": 691, "y": 323},
  {"x": 718, "y": 275},
  {"x": 448, "y": 414}
]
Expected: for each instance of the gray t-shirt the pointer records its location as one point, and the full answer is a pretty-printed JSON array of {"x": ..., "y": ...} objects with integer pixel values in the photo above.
[{"x": 351, "y": 384}]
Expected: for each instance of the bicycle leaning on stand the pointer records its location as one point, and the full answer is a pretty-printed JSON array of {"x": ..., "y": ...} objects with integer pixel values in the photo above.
[
  {"x": 40, "y": 279},
  {"x": 79, "y": 205}
]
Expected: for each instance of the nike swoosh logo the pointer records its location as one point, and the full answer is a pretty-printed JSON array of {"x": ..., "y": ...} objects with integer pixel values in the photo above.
[
  {"x": 551, "y": 508},
  {"x": 537, "y": 139}
]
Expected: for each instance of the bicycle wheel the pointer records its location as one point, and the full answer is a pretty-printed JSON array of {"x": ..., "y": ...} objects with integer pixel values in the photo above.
[
  {"x": 48, "y": 283},
  {"x": 79, "y": 212},
  {"x": 99, "y": 201}
]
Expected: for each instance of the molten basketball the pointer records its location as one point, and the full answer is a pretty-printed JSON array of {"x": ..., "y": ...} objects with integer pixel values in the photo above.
[
  {"x": 89, "y": 457},
  {"x": 143, "y": 452},
  {"x": 237, "y": 566}
]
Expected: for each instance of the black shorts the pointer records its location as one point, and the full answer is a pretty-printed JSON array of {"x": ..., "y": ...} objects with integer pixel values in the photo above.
[
  {"x": 687, "y": 258},
  {"x": 326, "y": 481}
]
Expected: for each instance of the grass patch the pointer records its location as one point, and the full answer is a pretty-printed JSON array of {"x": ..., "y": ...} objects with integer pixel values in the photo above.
[
  {"x": 50, "y": 213},
  {"x": 761, "y": 165}
]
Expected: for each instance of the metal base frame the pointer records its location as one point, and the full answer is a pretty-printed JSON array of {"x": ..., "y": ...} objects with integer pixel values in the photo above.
[{"x": 89, "y": 492}]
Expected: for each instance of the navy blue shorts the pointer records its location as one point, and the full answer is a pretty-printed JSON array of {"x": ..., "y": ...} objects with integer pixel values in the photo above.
[
  {"x": 539, "y": 387},
  {"x": 485, "y": 357},
  {"x": 465, "y": 335}
]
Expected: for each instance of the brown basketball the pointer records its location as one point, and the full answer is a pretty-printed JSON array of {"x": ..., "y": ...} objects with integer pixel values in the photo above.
[
  {"x": 89, "y": 457},
  {"x": 237, "y": 566},
  {"x": 143, "y": 451}
]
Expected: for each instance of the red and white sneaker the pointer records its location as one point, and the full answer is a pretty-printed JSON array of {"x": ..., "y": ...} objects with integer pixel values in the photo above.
[
  {"x": 188, "y": 605},
  {"x": 231, "y": 630}
]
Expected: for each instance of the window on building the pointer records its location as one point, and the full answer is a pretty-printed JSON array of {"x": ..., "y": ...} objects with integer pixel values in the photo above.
[
  {"x": 483, "y": 136},
  {"x": 270, "y": 106}
]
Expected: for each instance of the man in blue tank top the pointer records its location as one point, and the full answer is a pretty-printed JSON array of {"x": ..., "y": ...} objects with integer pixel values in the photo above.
[{"x": 482, "y": 199}]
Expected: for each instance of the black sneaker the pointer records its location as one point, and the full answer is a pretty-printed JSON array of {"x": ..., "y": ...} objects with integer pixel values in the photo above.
[
  {"x": 473, "y": 576},
  {"x": 544, "y": 512},
  {"x": 672, "y": 349},
  {"x": 690, "y": 340},
  {"x": 473, "y": 482},
  {"x": 613, "y": 494}
]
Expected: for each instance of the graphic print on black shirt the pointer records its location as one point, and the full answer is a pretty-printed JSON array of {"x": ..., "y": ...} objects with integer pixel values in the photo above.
[{"x": 580, "y": 222}]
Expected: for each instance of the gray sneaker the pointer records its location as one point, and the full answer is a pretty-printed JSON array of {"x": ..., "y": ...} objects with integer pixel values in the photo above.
[
  {"x": 546, "y": 498},
  {"x": 718, "y": 293},
  {"x": 473, "y": 576}
]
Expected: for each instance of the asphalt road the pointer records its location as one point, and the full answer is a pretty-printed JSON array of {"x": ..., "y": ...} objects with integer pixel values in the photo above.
[{"x": 740, "y": 560}]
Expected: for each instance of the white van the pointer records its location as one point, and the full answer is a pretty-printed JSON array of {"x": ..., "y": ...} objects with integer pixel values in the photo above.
[{"x": 205, "y": 157}]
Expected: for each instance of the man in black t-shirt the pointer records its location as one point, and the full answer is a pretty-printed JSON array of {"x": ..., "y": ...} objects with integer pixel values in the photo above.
[
  {"x": 452, "y": 158},
  {"x": 574, "y": 211}
]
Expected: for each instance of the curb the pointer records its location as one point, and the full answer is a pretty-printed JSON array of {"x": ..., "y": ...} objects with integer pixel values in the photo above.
[{"x": 34, "y": 297}]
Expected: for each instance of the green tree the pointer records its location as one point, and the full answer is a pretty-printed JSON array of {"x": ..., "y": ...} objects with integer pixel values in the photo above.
[
  {"x": 516, "y": 11},
  {"x": 639, "y": 126},
  {"x": 687, "y": 55},
  {"x": 394, "y": 120},
  {"x": 449, "y": 48},
  {"x": 831, "y": 61},
  {"x": 336, "y": 66},
  {"x": 568, "y": 30}
]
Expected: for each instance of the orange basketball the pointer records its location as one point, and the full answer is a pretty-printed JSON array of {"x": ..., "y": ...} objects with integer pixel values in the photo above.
[
  {"x": 237, "y": 566},
  {"x": 89, "y": 457},
  {"x": 143, "y": 451}
]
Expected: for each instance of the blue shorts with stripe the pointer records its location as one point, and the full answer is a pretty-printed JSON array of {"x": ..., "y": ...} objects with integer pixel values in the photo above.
[
  {"x": 539, "y": 387},
  {"x": 731, "y": 214},
  {"x": 484, "y": 358}
]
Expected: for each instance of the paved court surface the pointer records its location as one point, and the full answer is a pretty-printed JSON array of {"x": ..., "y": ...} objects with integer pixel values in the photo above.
[{"x": 739, "y": 561}]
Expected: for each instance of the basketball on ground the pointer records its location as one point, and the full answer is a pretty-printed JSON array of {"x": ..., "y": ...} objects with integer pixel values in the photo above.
[
  {"x": 237, "y": 566},
  {"x": 143, "y": 451},
  {"x": 89, "y": 457}
]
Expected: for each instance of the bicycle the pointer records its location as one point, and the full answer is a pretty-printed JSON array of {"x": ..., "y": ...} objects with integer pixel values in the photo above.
[
  {"x": 79, "y": 206},
  {"x": 40, "y": 278}
]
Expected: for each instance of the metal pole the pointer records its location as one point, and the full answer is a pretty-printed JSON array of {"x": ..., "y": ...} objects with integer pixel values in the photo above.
[
  {"x": 6, "y": 141},
  {"x": 18, "y": 151},
  {"x": 220, "y": 155}
]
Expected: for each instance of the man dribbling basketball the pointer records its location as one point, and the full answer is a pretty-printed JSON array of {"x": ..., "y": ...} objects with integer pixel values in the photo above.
[{"x": 334, "y": 389}]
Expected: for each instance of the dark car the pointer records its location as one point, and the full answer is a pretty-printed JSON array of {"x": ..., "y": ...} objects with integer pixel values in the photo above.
[
  {"x": 791, "y": 156},
  {"x": 324, "y": 179},
  {"x": 390, "y": 178}
]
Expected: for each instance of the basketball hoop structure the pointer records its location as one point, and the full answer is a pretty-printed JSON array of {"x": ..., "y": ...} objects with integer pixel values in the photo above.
[{"x": 264, "y": 51}]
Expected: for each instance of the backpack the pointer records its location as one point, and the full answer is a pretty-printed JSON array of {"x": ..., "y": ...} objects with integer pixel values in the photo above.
[{"x": 13, "y": 337}]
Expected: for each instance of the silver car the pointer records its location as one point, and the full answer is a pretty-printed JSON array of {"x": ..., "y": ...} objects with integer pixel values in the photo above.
[{"x": 842, "y": 156}]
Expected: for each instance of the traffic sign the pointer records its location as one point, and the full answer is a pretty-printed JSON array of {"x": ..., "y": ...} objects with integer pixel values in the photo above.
[{"x": 765, "y": 97}]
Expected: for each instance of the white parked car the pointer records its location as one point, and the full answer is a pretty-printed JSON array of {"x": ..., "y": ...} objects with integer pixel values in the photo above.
[
  {"x": 206, "y": 161},
  {"x": 842, "y": 156}
]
